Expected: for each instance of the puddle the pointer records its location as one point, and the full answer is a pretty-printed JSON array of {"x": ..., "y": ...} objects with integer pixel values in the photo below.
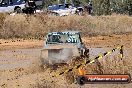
[{"x": 17, "y": 58}]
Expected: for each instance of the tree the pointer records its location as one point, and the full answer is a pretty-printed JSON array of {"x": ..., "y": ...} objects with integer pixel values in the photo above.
[{"x": 100, "y": 7}]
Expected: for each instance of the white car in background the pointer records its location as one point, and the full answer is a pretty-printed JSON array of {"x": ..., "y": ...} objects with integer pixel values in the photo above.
[
  {"x": 62, "y": 10},
  {"x": 66, "y": 11},
  {"x": 11, "y": 6}
]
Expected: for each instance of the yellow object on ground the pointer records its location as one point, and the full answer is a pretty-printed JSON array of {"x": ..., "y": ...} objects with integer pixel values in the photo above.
[{"x": 82, "y": 71}]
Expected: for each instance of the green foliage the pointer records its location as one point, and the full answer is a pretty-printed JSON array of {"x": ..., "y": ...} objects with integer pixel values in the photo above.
[
  {"x": 101, "y": 7},
  {"x": 106, "y": 7}
]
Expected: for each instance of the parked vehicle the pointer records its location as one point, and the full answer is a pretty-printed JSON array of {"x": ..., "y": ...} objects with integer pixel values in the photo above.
[
  {"x": 18, "y": 6},
  {"x": 65, "y": 9},
  {"x": 11, "y": 6}
]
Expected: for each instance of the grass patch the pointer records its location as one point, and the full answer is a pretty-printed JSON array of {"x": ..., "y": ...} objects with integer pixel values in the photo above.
[{"x": 20, "y": 25}]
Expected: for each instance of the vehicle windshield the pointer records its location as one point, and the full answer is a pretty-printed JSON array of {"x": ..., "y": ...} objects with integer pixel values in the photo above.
[{"x": 63, "y": 38}]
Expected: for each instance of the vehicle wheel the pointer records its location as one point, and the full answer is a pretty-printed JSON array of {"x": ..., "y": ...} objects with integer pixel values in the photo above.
[
  {"x": 81, "y": 80},
  {"x": 18, "y": 10}
]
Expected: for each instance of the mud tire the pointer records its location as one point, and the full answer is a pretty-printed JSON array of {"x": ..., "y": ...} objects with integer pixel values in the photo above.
[{"x": 81, "y": 80}]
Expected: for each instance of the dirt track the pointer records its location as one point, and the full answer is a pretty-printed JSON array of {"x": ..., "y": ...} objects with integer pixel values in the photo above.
[{"x": 19, "y": 63}]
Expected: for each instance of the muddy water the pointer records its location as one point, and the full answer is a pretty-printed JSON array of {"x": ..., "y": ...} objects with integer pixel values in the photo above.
[
  {"x": 18, "y": 65},
  {"x": 10, "y": 59},
  {"x": 94, "y": 52}
]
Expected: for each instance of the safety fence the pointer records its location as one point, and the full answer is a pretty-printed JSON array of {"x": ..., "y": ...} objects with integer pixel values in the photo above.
[{"x": 100, "y": 56}]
